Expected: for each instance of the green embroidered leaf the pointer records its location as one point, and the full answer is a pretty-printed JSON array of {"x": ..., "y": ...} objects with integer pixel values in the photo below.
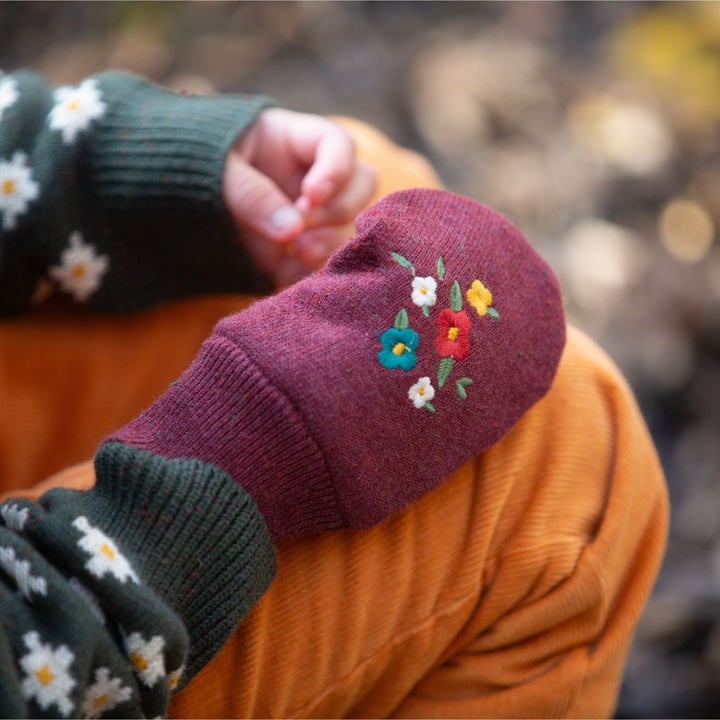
[
  {"x": 401, "y": 320},
  {"x": 460, "y": 386},
  {"x": 400, "y": 260},
  {"x": 429, "y": 407},
  {"x": 444, "y": 370},
  {"x": 440, "y": 269},
  {"x": 456, "y": 297},
  {"x": 425, "y": 311},
  {"x": 493, "y": 313}
]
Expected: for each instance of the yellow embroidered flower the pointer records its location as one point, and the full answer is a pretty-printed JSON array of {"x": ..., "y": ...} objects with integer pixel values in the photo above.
[{"x": 481, "y": 299}]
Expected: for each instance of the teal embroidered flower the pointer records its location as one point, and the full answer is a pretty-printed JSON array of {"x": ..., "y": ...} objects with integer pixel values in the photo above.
[{"x": 399, "y": 348}]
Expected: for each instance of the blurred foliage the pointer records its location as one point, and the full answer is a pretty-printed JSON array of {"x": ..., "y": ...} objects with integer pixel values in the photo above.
[{"x": 593, "y": 126}]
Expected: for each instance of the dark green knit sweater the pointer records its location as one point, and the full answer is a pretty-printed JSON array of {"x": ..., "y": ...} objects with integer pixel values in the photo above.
[{"x": 110, "y": 192}]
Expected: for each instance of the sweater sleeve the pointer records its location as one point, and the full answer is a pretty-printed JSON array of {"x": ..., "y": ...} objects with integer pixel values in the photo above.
[
  {"x": 111, "y": 190},
  {"x": 114, "y": 598}
]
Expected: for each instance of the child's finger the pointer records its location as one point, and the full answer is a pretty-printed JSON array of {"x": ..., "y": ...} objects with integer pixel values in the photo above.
[
  {"x": 256, "y": 203},
  {"x": 333, "y": 164},
  {"x": 345, "y": 206},
  {"x": 314, "y": 246}
]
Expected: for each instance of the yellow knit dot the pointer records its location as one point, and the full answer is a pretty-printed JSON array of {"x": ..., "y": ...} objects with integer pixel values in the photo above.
[
  {"x": 107, "y": 551},
  {"x": 44, "y": 675},
  {"x": 453, "y": 332},
  {"x": 100, "y": 701},
  {"x": 73, "y": 105},
  {"x": 139, "y": 661},
  {"x": 9, "y": 187},
  {"x": 399, "y": 349},
  {"x": 78, "y": 271}
]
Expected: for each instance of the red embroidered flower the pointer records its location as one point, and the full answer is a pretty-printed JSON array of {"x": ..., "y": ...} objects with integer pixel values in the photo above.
[{"x": 454, "y": 338}]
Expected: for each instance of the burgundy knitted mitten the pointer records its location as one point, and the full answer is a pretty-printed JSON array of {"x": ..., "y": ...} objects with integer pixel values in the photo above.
[{"x": 351, "y": 394}]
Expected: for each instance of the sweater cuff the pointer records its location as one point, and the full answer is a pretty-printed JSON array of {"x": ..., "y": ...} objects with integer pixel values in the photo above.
[
  {"x": 156, "y": 147},
  {"x": 190, "y": 533}
]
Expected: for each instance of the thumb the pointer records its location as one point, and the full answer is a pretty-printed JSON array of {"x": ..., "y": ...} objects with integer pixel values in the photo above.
[{"x": 256, "y": 203}]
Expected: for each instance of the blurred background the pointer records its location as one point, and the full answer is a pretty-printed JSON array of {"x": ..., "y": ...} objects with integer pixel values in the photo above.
[{"x": 594, "y": 126}]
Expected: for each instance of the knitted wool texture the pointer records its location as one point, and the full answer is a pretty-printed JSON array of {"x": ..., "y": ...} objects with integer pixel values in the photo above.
[
  {"x": 351, "y": 394},
  {"x": 169, "y": 555},
  {"x": 112, "y": 191}
]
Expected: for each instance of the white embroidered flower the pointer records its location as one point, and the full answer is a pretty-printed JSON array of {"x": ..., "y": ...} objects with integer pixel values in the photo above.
[
  {"x": 174, "y": 677},
  {"x": 421, "y": 392},
  {"x": 104, "y": 694},
  {"x": 19, "y": 571},
  {"x": 104, "y": 554},
  {"x": 147, "y": 657},
  {"x": 8, "y": 94},
  {"x": 423, "y": 291},
  {"x": 17, "y": 189},
  {"x": 89, "y": 598},
  {"x": 75, "y": 108},
  {"x": 15, "y": 517},
  {"x": 47, "y": 678},
  {"x": 81, "y": 269}
]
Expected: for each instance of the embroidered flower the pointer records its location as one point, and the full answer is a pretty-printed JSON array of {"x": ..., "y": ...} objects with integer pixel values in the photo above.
[
  {"x": 47, "y": 678},
  {"x": 481, "y": 299},
  {"x": 399, "y": 348},
  {"x": 105, "y": 558},
  {"x": 423, "y": 291},
  {"x": 19, "y": 571},
  {"x": 106, "y": 693},
  {"x": 421, "y": 393},
  {"x": 17, "y": 189},
  {"x": 81, "y": 268},
  {"x": 8, "y": 94},
  {"x": 15, "y": 517},
  {"x": 454, "y": 337},
  {"x": 76, "y": 108},
  {"x": 147, "y": 657}
]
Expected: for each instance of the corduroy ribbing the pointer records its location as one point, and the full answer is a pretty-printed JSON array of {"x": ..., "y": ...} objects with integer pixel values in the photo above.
[{"x": 224, "y": 411}]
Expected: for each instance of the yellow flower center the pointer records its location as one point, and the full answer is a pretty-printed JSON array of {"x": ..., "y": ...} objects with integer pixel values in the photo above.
[
  {"x": 73, "y": 105},
  {"x": 399, "y": 349},
  {"x": 423, "y": 291},
  {"x": 44, "y": 675},
  {"x": 9, "y": 187},
  {"x": 99, "y": 702},
  {"x": 421, "y": 391},
  {"x": 139, "y": 661},
  {"x": 78, "y": 271},
  {"x": 107, "y": 551},
  {"x": 453, "y": 332}
]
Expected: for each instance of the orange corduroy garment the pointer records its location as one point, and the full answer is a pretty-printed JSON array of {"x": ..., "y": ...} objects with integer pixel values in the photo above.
[{"x": 510, "y": 590}]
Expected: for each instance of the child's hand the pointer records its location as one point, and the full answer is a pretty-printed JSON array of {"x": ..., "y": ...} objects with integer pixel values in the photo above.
[{"x": 293, "y": 186}]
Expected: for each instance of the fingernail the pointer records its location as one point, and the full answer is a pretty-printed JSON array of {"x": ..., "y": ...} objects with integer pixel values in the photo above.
[{"x": 285, "y": 219}]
